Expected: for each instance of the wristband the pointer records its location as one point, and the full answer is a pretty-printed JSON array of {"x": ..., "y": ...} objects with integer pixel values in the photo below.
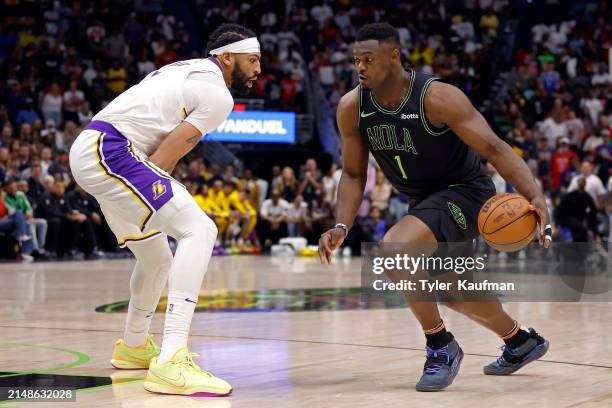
[
  {"x": 548, "y": 232},
  {"x": 343, "y": 227}
]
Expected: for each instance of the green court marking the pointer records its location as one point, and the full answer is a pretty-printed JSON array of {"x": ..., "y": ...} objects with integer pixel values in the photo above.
[
  {"x": 82, "y": 358},
  {"x": 280, "y": 300},
  {"x": 111, "y": 308}
]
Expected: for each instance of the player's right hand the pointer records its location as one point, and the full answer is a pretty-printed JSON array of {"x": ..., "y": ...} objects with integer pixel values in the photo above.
[{"x": 329, "y": 241}]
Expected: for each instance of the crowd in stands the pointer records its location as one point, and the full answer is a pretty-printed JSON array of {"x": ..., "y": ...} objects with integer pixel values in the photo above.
[
  {"x": 557, "y": 116},
  {"x": 60, "y": 62}
]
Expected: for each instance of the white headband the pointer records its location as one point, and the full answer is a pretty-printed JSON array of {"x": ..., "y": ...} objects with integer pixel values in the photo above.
[{"x": 246, "y": 46}]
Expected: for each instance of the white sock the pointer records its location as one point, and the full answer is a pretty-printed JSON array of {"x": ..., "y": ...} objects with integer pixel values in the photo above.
[{"x": 179, "y": 314}]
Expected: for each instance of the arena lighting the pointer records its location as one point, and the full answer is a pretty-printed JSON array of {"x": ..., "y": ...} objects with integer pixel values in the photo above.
[{"x": 256, "y": 127}]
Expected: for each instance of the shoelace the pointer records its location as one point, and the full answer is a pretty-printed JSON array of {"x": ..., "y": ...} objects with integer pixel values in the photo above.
[
  {"x": 501, "y": 360},
  {"x": 189, "y": 363},
  {"x": 432, "y": 367}
]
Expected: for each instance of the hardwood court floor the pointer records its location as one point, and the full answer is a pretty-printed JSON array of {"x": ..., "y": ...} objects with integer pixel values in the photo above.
[{"x": 347, "y": 358}]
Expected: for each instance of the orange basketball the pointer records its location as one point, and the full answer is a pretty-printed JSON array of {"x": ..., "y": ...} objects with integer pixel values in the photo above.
[{"x": 506, "y": 222}]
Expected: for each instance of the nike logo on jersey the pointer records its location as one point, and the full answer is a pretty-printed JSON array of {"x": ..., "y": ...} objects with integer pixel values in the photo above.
[
  {"x": 365, "y": 115},
  {"x": 410, "y": 116},
  {"x": 189, "y": 300}
]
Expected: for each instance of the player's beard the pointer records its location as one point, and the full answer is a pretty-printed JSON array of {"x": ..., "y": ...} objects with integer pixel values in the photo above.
[{"x": 239, "y": 80}]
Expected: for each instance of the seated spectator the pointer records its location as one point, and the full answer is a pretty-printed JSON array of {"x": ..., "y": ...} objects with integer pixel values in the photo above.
[
  {"x": 374, "y": 225},
  {"x": 272, "y": 225},
  {"x": 51, "y": 105},
  {"x": 14, "y": 224},
  {"x": 85, "y": 114},
  {"x": 297, "y": 214},
  {"x": 60, "y": 168},
  {"x": 73, "y": 100},
  {"x": 16, "y": 201},
  {"x": 47, "y": 184},
  {"x": 65, "y": 225},
  {"x": 287, "y": 186},
  {"x": 398, "y": 206},
  {"x": 380, "y": 193},
  {"x": 561, "y": 162},
  {"x": 329, "y": 185},
  {"x": 320, "y": 218},
  {"x": 309, "y": 185},
  {"x": 85, "y": 204},
  {"x": 27, "y": 114},
  {"x": 35, "y": 187}
]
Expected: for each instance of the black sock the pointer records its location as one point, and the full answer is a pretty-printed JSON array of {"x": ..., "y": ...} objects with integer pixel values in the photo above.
[
  {"x": 438, "y": 337},
  {"x": 515, "y": 337}
]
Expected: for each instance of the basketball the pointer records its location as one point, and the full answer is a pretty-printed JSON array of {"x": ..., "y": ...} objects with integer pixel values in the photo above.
[{"x": 506, "y": 222}]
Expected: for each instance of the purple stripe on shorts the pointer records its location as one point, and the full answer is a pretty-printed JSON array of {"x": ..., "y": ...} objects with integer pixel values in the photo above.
[{"x": 155, "y": 188}]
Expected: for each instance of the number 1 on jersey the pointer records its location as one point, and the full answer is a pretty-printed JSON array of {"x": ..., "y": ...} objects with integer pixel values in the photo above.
[{"x": 399, "y": 164}]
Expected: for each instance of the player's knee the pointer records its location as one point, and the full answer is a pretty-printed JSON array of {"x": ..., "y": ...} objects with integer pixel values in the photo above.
[{"x": 204, "y": 226}]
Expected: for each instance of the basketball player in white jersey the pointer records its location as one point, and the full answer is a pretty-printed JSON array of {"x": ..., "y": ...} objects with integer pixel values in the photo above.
[{"x": 124, "y": 158}]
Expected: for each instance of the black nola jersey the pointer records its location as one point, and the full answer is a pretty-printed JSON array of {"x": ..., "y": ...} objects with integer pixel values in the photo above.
[{"x": 416, "y": 157}]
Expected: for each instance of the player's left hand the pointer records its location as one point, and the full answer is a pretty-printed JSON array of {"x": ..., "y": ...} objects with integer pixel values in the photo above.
[{"x": 538, "y": 205}]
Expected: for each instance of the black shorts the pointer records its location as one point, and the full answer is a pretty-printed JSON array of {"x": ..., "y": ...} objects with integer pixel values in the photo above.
[{"x": 452, "y": 213}]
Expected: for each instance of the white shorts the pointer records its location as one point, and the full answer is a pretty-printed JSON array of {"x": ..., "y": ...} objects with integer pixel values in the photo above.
[{"x": 127, "y": 186}]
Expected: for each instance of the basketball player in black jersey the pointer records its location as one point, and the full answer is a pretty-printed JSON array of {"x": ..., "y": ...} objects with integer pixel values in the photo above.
[{"x": 428, "y": 140}]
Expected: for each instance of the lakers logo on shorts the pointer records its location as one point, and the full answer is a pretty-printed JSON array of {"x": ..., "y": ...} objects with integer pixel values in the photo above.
[
  {"x": 158, "y": 189},
  {"x": 457, "y": 214}
]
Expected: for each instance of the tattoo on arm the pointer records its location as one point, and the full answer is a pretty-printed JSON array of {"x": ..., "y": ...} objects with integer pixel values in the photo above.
[{"x": 193, "y": 140}]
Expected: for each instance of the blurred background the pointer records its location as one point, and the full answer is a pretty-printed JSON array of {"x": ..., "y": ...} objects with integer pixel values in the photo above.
[{"x": 539, "y": 71}]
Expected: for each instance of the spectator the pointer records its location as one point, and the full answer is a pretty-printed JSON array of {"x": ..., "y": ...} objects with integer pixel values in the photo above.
[
  {"x": 297, "y": 215},
  {"x": 575, "y": 210},
  {"x": 51, "y": 136},
  {"x": 52, "y": 105},
  {"x": 116, "y": 78},
  {"x": 329, "y": 185},
  {"x": 65, "y": 224},
  {"x": 272, "y": 224},
  {"x": 17, "y": 201},
  {"x": 380, "y": 193},
  {"x": 15, "y": 224},
  {"x": 82, "y": 202},
  {"x": 73, "y": 100},
  {"x": 554, "y": 128},
  {"x": 374, "y": 225},
  {"x": 287, "y": 186},
  {"x": 35, "y": 187},
  {"x": 593, "y": 184},
  {"x": 27, "y": 114},
  {"x": 561, "y": 162},
  {"x": 85, "y": 114},
  {"x": 320, "y": 217}
]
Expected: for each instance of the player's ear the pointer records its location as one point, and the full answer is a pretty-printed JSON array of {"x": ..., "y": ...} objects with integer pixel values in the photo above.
[
  {"x": 227, "y": 59},
  {"x": 395, "y": 54}
]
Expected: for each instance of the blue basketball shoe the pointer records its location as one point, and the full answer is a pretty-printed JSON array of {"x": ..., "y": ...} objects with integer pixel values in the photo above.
[
  {"x": 513, "y": 359},
  {"x": 441, "y": 367}
]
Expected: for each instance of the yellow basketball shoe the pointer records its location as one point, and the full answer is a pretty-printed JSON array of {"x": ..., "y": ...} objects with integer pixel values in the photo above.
[
  {"x": 182, "y": 376},
  {"x": 134, "y": 358}
]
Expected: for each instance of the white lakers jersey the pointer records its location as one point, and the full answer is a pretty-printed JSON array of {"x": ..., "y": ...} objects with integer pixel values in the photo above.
[{"x": 191, "y": 90}]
